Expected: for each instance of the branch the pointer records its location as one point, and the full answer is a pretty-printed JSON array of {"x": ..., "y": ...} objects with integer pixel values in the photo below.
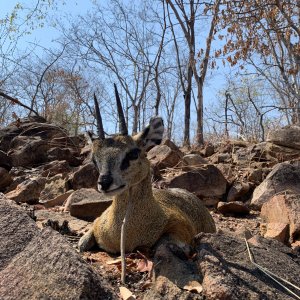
[{"x": 16, "y": 101}]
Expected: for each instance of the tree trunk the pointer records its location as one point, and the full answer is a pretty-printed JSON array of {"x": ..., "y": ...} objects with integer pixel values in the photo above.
[{"x": 199, "y": 137}]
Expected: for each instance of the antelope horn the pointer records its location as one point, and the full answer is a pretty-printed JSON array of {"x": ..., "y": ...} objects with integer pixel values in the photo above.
[
  {"x": 99, "y": 119},
  {"x": 122, "y": 125}
]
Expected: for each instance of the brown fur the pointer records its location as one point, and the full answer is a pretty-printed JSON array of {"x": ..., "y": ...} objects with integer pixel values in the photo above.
[{"x": 153, "y": 212}]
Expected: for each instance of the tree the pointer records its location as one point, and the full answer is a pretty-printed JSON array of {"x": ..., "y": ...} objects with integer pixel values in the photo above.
[
  {"x": 186, "y": 14},
  {"x": 266, "y": 33}
]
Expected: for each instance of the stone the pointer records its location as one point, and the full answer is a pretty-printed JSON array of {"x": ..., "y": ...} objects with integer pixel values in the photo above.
[
  {"x": 220, "y": 158},
  {"x": 56, "y": 167},
  {"x": 86, "y": 176},
  {"x": 207, "y": 182},
  {"x": 5, "y": 179},
  {"x": 54, "y": 187},
  {"x": 28, "y": 191},
  {"x": 28, "y": 151},
  {"x": 163, "y": 156},
  {"x": 288, "y": 136},
  {"x": 47, "y": 266},
  {"x": 87, "y": 204},
  {"x": 208, "y": 150},
  {"x": 194, "y": 160},
  {"x": 67, "y": 154},
  {"x": 75, "y": 225},
  {"x": 284, "y": 209},
  {"x": 58, "y": 200},
  {"x": 267, "y": 151},
  {"x": 284, "y": 176},
  {"x": 170, "y": 144},
  {"x": 239, "y": 191},
  {"x": 277, "y": 231},
  {"x": 5, "y": 161},
  {"x": 227, "y": 272},
  {"x": 234, "y": 208}
]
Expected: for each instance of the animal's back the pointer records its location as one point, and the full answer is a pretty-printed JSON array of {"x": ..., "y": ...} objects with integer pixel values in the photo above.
[{"x": 187, "y": 213}]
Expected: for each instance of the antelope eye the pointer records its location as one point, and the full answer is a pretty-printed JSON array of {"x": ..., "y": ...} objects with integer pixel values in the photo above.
[{"x": 133, "y": 154}]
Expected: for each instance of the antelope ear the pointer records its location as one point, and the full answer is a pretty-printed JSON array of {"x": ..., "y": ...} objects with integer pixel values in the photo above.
[
  {"x": 151, "y": 135},
  {"x": 90, "y": 137}
]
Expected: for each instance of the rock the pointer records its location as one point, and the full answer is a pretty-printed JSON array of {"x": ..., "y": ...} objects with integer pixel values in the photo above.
[
  {"x": 288, "y": 136},
  {"x": 194, "y": 160},
  {"x": 267, "y": 151},
  {"x": 28, "y": 151},
  {"x": 47, "y": 266},
  {"x": 208, "y": 150},
  {"x": 16, "y": 231},
  {"x": 28, "y": 191},
  {"x": 55, "y": 167},
  {"x": 75, "y": 225},
  {"x": 239, "y": 191},
  {"x": 57, "y": 201},
  {"x": 283, "y": 209},
  {"x": 173, "y": 272},
  {"x": 206, "y": 181},
  {"x": 228, "y": 273},
  {"x": 235, "y": 208},
  {"x": 5, "y": 161},
  {"x": 170, "y": 144},
  {"x": 67, "y": 154},
  {"x": 54, "y": 187},
  {"x": 163, "y": 156},
  {"x": 85, "y": 177},
  {"x": 87, "y": 204},
  {"x": 277, "y": 231},
  {"x": 220, "y": 158},
  {"x": 284, "y": 176},
  {"x": 5, "y": 179}
]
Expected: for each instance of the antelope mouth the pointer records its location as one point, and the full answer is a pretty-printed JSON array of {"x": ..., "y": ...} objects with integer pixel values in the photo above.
[{"x": 114, "y": 191}]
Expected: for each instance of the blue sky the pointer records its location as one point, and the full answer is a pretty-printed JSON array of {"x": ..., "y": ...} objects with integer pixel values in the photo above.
[{"x": 46, "y": 37}]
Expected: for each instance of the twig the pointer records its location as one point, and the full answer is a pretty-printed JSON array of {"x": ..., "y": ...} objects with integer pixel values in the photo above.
[
  {"x": 16, "y": 101},
  {"x": 122, "y": 244},
  {"x": 272, "y": 275}
]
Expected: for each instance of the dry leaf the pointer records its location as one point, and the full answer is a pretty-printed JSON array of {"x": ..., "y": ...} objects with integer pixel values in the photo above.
[
  {"x": 144, "y": 265},
  {"x": 193, "y": 286},
  {"x": 126, "y": 294}
]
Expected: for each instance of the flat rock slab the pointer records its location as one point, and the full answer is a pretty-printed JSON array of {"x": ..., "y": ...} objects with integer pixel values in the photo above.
[
  {"x": 87, "y": 204},
  {"x": 79, "y": 226},
  {"x": 41, "y": 264},
  {"x": 234, "y": 208}
]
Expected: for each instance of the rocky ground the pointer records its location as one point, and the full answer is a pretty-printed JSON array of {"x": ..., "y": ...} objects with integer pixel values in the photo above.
[{"x": 48, "y": 200}]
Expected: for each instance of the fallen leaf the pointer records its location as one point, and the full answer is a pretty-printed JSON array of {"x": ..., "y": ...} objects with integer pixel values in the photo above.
[
  {"x": 144, "y": 265},
  {"x": 126, "y": 294}
]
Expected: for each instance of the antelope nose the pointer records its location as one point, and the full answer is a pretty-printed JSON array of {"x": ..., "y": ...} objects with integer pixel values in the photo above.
[{"x": 105, "y": 181}]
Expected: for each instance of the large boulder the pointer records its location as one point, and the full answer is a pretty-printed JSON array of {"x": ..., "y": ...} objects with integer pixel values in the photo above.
[
  {"x": 5, "y": 161},
  {"x": 5, "y": 179},
  {"x": 228, "y": 273},
  {"x": 41, "y": 264},
  {"x": 282, "y": 215},
  {"x": 85, "y": 176},
  {"x": 284, "y": 176},
  {"x": 222, "y": 269},
  {"x": 87, "y": 204},
  {"x": 28, "y": 191},
  {"x": 205, "y": 182},
  {"x": 28, "y": 151},
  {"x": 288, "y": 136},
  {"x": 163, "y": 156}
]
